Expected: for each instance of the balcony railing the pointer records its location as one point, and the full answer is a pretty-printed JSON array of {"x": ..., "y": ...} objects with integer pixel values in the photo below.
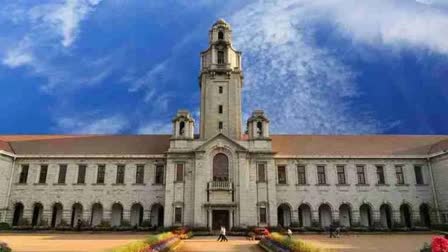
[{"x": 220, "y": 185}]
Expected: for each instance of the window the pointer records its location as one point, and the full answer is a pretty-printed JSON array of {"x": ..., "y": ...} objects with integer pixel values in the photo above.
[
  {"x": 23, "y": 177},
  {"x": 43, "y": 174},
  {"x": 220, "y": 126},
  {"x": 259, "y": 129},
  {"x": 178, "y": 215},
  {"x": 62, "y": 173},
  {"x": 220, "y": 109},
  {"x": 418, "y": 175},
  {"x": 261, "y": 172},
  {"x": 301, "y": 175},
  {"x": 220, "y": 89},
  {"x": 220, "y": 35},
  {"x": 321, "y": 179},
  {"x": 220, "y": 57},
  {"x": 82, "y": 174},
  {"x": 341, "y": 174},
  {"x": 263, "y": 215},
  {"x": 360, "y": 171},
  {"x": 400, "y": 175},
  {"x": 179, "y": 172},
  {"x": 281, "y": 169},
  {"x": 101, "y": 174},
  {"x": 380, "y": 175},
  {"x": 140, "y": 174},
  {"x": 159, "y": 174},
  {"x": 181, "y": 128},
  {"x": 120, "y": 174}
]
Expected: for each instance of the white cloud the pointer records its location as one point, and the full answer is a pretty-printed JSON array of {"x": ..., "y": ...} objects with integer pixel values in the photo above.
[
  {"x": 63, "y": 18},
  {"x": 304, "y": 89},
  {"x": 155, "y": 127},
  {"x": 91, "y": 125},
  {"x": 18, "y": 56}
]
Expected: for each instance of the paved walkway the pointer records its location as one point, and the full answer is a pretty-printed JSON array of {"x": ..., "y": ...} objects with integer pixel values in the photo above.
[{"x": 209, "y": 244}]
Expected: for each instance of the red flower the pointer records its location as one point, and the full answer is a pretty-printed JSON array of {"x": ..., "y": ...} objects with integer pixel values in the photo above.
[{"x": 439, "y": 244}]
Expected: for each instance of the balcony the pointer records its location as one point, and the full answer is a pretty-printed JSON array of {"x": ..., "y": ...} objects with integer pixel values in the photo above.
[{"x": 220, "y": 186}]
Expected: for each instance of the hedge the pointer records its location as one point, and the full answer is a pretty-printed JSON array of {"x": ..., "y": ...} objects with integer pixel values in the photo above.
[
  {"x": 163, "y": 242},
  {"x": 282, "y": 243}
]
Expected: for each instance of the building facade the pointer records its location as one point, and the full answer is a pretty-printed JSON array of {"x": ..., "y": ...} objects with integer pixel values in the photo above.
[{"x": 224, "y": 175}]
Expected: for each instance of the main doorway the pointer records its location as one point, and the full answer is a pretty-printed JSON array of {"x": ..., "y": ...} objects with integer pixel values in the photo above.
[{"x": 220, "y": 218}]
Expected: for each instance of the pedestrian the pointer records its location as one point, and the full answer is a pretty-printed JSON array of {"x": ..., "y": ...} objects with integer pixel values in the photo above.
[
  {"x": 221, "y": 231},
  {"x": 224, "y": 237},
  {"x": 338, "y": 231},
  {"x": 289, "y": 233},
  {"x": 332, "y": 231},
  {"x": 79, "y": 225}
]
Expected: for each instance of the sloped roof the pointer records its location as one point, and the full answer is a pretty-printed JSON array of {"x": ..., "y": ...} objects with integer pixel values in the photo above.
[
  {"x": 91, "y": 145},
  {"x": 354, "y": 145},
  {"x": 283, "y": 145}
]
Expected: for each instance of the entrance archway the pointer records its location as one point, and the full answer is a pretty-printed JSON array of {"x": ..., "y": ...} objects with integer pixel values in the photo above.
[
  {"x": 38, "y": 210},
  {"x": 304, "y": 215},
  {"x": 157, "y": 215},
  {"x": 56, "y": 216},
  {"x": 220, "y": 218},
  {"x": 425, "y": 216},
  {"x": 325, "y": 218},
  {"x": 345, "y": 215},
  {"x": 386, "y": 216},
  {"x": 97, "y": 214},
  {"x": 77, "y": 210},
  {"x": 117, "y": 215},
  {"x": 136, "y": 214},
  {"x": 284, "y": 215},
  {"x": 220, "y": 167},
  {"x": 18, "y": 214},
  {"x": 406, "y": 217},
  {"x": 365, "y": 215}
]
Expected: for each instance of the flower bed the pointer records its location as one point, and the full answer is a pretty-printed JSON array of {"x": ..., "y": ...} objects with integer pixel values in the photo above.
[
  {"x": 438, "y": 244},
  {"x": 4, "y": 247},
  {"x": 163, "y": 242},
  {"x": 281, "y": 243}
]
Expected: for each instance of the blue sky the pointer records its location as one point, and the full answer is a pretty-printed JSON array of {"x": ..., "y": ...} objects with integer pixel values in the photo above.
[{"x": 315, "y": 66}]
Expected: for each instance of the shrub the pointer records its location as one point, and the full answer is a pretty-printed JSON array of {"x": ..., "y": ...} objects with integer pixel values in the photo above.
[
  {"x": 426, "y": 248},
  {"x": 24, "y": 222},
  {"x": 146, "y": 223},
  {"x": 4, "y": 247},
  {"x": 160, "y": 242},
  {"x": 439, "y": 244},
  {"x": 278, "y": 242},
  {"x": 4, "y": 226},
  {"x": 440, "y": 227}
]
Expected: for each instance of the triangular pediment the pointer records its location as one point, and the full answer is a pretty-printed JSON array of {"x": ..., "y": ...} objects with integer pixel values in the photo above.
[{"x": 221, "y": 140}]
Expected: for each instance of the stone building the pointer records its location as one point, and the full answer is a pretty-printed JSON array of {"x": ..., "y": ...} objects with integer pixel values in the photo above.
[{"x": 225, "y": 175}]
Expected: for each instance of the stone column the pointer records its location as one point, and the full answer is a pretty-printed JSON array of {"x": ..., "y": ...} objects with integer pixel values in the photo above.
[
  {"x": 355, "y": 217},
  {"x": 295, "y": 216}
]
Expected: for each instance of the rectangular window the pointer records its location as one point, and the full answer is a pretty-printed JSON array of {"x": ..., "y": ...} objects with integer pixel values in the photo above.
[
  {"x": 263, "y": 215},
  {"x": 120, "y": 174},
  {"x": 399, "y": 174},
  {"x": 43, "y": 174},
  {"x": 220, "y": 126},
  {"x": 360, "y": 171},
  {"x": 321, "y": 178},
  {"x": 23, "y": 177},
  {"x": 220, "y": 109},
  {"x": 261, "y": 172},
  {"x": 82, "y": 174},
  {"x": 159, "y": 174},
  {"x": 178, "y": 215},
  {"x": 341, "y": 174},
  {"x": 62, "y": 173},
  {"x": 418, "y": 175},
  {"x": 301, "y": 175},
  {"x": 220, "y": 57},
  {"x": 380, "y": 175},
  {"x": 220, "y": 89},
  {"x": 281, "y": 169},
  {"x": 140, "y": 174},
  {"x": 179, "y": 172},
  {"x": 101, "y": 174}
]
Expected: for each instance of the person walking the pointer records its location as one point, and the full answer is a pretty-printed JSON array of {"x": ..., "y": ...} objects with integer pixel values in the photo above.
[
  {"x": 289, "y": 233},
  {"x": 224, "y": 237},
  {"x": 221, "y": 234},
  {"x": 332, "y": 231}
]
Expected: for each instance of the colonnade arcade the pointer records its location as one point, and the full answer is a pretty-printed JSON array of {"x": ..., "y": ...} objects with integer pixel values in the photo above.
[
  {"x": 366, "y": 215},
  {"x": 95, "y": 215}
]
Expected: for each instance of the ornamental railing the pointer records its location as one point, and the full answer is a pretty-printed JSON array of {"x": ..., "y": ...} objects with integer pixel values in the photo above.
[{"x": 220, "y": 185}]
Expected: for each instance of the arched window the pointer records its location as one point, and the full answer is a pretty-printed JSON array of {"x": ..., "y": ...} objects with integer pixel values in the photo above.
[
  {"x": 259, "y": 129},
  {"x": 220, "y": 35},
  {"x": 181, "y": 128},
  {"x": 220, "y": 167},
  {"x": 220, "y": 57}
]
